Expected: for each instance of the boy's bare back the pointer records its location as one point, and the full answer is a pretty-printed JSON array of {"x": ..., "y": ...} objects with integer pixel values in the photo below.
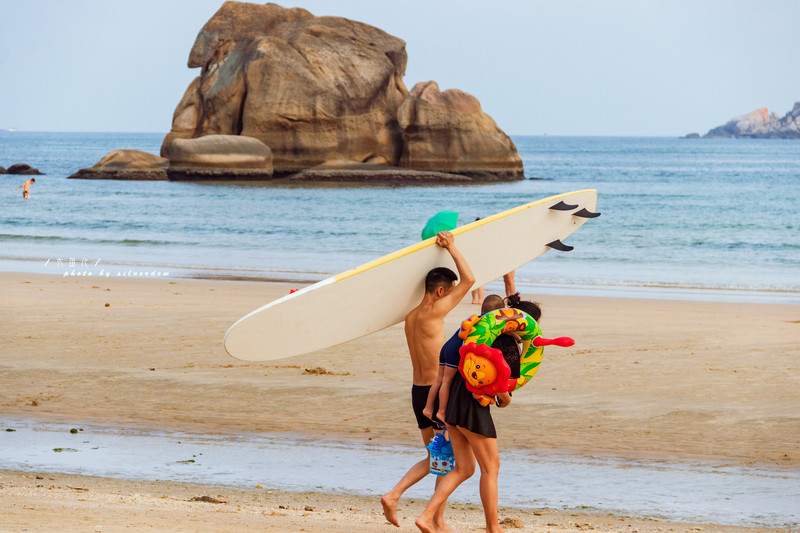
[
  {"x": 424, "y": 325},
  {"x": 425, "y": 337}
]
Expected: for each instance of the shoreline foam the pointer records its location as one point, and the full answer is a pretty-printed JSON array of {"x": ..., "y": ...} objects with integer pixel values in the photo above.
[{"x": 647, "y": 290}]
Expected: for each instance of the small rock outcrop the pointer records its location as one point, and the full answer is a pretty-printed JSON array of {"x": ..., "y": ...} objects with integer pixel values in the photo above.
[
  {"x": 449, "y": 132},
  {"x": 21, "y": 169},
  {"x": 126, "y": 165},
  {"x": 761, "y": 124},
  {"x": 218, "y": 157}
]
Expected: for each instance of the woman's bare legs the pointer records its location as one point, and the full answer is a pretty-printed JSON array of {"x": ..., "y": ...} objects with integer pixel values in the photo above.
[
  {"x": 463, "y": 470},
  {"x": 485, "y": 450}
]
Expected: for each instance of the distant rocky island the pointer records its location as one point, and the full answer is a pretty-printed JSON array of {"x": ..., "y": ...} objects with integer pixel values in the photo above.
[
  {"x": 21, "y": 169},
  {"x": 760, "y": 124},
  {"x": 286, "y": 94}
]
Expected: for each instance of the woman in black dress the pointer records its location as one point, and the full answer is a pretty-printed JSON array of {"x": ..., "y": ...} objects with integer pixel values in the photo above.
[{"x": 473, "y": 436}]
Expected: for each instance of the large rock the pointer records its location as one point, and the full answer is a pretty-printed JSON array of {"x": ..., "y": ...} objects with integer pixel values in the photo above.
[
  {"x": 126, "y": 165},
  {"x": 449, "y": 132},
  {"x": 761, "y": 124},
  {"x": 311, "y": 88},
  {"x": 218, "y": 156}
]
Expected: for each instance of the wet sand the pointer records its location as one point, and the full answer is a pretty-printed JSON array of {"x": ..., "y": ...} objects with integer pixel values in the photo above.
[
  {"x": 647, "y": 379},
  {"x": 67, "y": 503}
]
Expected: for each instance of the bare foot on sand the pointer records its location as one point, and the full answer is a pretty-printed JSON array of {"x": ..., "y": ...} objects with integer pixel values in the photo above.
[
  {"x": 446, "y": 529},
  {"x": 425, "y": 525},
  {"x": 390, "y": 509},
  {"x": 431, "y": 527}
]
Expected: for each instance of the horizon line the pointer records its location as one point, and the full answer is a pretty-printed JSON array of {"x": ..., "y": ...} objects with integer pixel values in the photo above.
[{"x": 608, "y": 135}]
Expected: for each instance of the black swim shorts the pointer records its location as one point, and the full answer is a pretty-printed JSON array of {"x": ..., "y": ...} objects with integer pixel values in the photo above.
[{"x": 419, "y": 398}]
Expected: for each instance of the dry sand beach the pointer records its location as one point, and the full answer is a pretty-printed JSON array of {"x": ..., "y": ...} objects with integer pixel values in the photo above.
[{"x": 647, "y": 379}]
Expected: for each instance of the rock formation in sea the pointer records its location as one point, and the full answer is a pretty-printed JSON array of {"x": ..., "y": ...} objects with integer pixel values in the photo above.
[
  {"x": 311, "y": 88},
  {"x": 317, "y": 89},
  {"x": 448, "y": 131},
  {"x": 761, "y": 124},
  {"x": 21, "y": 169},
  {"x": 126, "y": 165},
  {"x": 218, "y": 157},
  {"x": 324, "y": 99},
  {"x": 208, "y": 157}
]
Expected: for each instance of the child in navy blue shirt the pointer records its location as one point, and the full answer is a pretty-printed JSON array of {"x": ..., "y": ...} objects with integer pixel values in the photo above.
[{"x": 448, "y": 366}]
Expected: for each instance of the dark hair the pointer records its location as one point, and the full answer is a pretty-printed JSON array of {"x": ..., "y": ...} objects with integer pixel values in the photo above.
[
  {"x": 439, "y": 277},
  {"x": 508, "y": 346},
  {"x": 532, "y": 308},
  {"x": 492, "y": 302}
]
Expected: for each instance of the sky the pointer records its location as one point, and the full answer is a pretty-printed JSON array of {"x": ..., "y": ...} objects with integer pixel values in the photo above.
[{"x": 554, "y": 67}]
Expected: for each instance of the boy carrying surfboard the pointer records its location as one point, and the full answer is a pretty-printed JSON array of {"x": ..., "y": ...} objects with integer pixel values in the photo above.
[{"x": 424, "y": 329}]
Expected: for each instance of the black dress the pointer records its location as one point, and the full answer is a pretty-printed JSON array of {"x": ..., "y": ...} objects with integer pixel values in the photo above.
[{"x": 463, "y": 410}]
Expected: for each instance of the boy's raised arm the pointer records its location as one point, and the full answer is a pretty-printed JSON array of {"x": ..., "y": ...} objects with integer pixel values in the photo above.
[{"x": 466, "y": 278}]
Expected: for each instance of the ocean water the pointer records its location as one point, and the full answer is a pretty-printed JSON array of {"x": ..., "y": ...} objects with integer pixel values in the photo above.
[{"x": 698, "y": 219}]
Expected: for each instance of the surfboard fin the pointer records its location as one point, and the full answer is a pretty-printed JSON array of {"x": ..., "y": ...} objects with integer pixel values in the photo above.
[
  {"x": 560, "y": 246},
  {"x": 562, "y": 206},
  {"x": 585, "y": 213}
]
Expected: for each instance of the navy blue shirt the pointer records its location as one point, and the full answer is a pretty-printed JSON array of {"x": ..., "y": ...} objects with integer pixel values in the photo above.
[{"x": 449, "y": 355}]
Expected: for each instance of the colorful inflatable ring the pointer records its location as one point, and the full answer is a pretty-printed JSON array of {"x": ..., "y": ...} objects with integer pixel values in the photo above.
[{"x": 483, "y": 367}]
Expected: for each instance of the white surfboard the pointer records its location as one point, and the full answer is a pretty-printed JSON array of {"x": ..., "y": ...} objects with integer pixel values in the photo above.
[{"x": 380, "y": 293}]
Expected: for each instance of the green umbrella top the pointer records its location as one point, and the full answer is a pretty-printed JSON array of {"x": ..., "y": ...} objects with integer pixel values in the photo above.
[{"x": 441, "y": 221}]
